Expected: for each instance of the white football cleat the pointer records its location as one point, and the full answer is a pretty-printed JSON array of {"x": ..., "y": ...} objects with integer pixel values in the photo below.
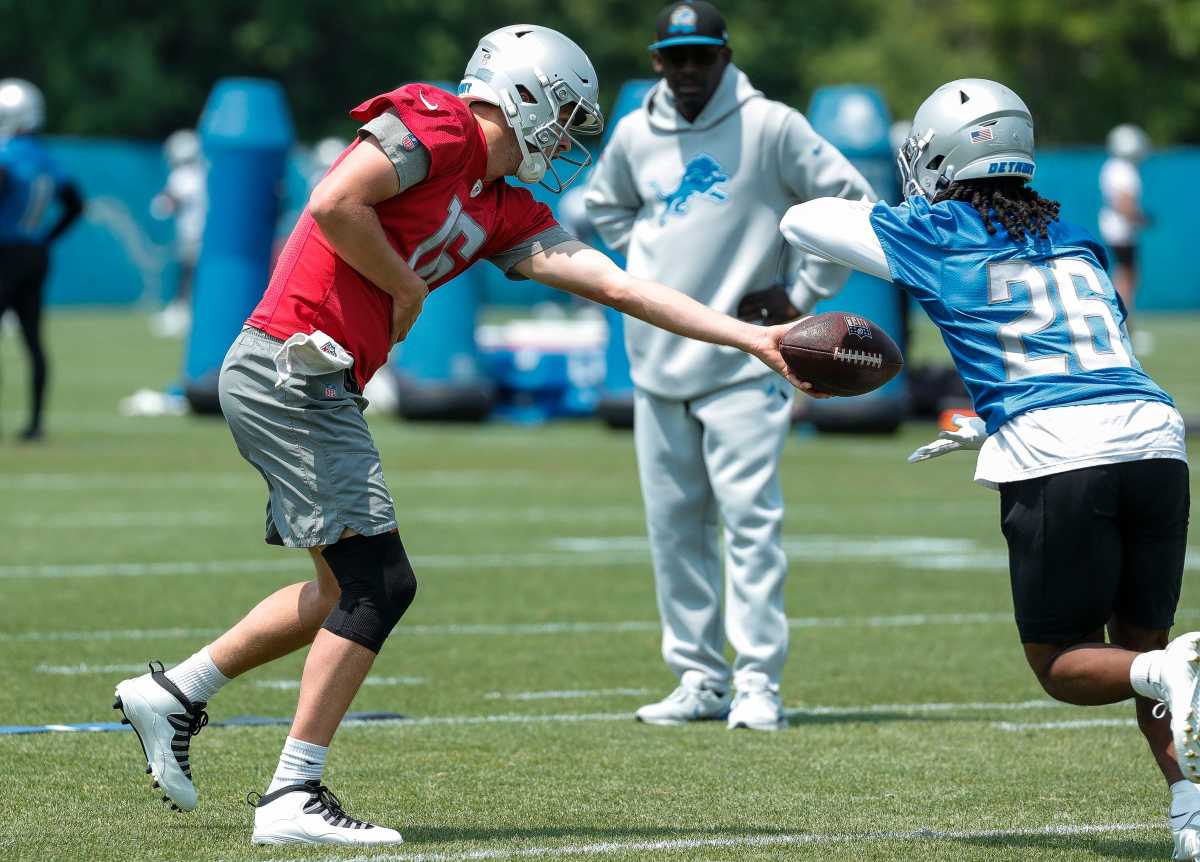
[
  {"x": 1179, "y": 689},
  {"x": 308, "y": 813},
  {"x": 165, "y": 722},
  {"x": 694, "y": 700},
  {"x": 756, "y": 707},
  {"x": 1184, "y": 821}
]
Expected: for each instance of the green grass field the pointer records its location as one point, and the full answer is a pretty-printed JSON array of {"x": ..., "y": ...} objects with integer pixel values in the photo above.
[{"x": 917, "y": 732}]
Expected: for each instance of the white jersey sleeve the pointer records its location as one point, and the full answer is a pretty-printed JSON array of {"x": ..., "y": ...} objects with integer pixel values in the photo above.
[{"x": 838, "y": 231}]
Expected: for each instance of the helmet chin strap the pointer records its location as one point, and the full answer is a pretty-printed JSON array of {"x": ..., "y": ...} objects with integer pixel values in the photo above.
[{"x": 533, "y": 167}]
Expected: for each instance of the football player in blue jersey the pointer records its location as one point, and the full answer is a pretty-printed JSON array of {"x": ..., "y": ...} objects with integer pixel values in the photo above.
[
  {"x": 30, "y": 182},
  {"x": 1086, "y": 450}
]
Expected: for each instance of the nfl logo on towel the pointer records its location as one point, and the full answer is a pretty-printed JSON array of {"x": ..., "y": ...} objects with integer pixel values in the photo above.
[
  {"x": 331, "y": 392},
  {"x": 978, "y": 136}
]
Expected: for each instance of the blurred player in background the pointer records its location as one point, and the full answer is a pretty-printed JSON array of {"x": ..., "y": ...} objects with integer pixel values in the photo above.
[
  {"x": 691, "y": 188},
  {"x": 185, "y": 199},
  {"x": 1086, "y": 450},
  {"x": 415, "y": 200},
  {"x": 1121, "y": 216},
  {"x": 30, "y": 182}
]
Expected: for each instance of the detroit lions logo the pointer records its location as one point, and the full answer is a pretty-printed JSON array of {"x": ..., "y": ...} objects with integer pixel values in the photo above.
[{"x": 701, "y": 176}]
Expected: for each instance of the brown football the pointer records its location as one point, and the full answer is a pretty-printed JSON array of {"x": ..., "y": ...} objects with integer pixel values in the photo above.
[{"x": 840, "y": 353}]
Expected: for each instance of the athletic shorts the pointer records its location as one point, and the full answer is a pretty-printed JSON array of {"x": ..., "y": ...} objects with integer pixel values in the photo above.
[
  {"x": 1088, "y": 545},
  {"x": 1125, "y": 255},
  {"x": 309, "y": 441}
]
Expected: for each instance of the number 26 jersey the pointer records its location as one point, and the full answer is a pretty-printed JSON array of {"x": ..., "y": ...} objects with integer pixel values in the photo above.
[{"x": 1030, "y": 324}]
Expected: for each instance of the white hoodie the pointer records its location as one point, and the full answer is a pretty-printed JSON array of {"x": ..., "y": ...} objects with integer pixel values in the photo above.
[{"x": 697, "y": 206}]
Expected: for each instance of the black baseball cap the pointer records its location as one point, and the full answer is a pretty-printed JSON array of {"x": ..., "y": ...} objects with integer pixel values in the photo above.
[{"x": 688, "y": 23}]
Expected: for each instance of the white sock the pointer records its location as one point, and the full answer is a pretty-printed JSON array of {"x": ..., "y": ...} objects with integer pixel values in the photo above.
[
  {"x": 1143, "y": 674},
  {"x": 1183, "y": 786},
  {"x": 197, "y": 677},
  {"x": 300, "y": 761}
]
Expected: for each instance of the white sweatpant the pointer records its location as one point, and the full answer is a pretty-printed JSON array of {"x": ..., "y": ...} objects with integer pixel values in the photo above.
[{"x": 711, "y": 460}]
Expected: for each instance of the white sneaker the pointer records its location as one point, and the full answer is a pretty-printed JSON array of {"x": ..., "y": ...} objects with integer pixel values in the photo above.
[
  {"x": 756, "y": 707},
  {"x": 1179, "y": 688},
  {"x": 694, "y": 700},
  {"x": 308, "y": 813},
  {"x": 165, "y": 722},
  {"x": 1184, "y": 821}
]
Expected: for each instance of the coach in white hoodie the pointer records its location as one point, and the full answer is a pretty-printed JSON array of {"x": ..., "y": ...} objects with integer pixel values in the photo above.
[{"x": 691, "y": 188}]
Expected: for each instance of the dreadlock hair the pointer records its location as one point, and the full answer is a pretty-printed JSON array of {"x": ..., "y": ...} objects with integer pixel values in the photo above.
[{"x": 1007, "y": 200}]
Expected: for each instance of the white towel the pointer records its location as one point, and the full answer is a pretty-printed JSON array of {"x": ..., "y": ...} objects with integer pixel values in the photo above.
[{"x": 307, "y": 355}]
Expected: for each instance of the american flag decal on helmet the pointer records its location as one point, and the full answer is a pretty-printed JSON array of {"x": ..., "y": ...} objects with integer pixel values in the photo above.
[{"x": 983, "y": 133}]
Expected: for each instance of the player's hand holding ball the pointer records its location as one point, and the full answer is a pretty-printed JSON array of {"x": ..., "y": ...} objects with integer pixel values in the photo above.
[{"x": 837, "y": 354}]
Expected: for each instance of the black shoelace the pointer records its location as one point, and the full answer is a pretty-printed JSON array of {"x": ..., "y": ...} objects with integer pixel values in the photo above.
[{"x": 330, "y": 808}]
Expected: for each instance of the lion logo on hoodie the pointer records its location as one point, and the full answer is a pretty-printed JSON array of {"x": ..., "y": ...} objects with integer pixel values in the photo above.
[{"x": 701, "y": 176}]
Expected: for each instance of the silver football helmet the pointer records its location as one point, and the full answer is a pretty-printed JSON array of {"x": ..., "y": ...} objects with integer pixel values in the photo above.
[
  {"x": 531, "y": 73},
  {"x": 22, "y": 108},
  {"x": 968, "y": 129},
  {"x": 1127, "y": 141}
]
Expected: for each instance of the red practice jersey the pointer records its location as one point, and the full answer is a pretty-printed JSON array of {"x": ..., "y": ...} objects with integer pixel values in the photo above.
[{"x": 440, "y": 226}]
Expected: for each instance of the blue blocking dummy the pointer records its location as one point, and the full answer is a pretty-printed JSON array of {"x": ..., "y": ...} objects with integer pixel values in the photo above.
[
  {"x": 856, "y": 121},
  {"x": 246, "y": 133}
]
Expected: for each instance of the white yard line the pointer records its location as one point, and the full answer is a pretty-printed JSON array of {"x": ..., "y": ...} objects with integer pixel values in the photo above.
[
  {"x": 551, "y": 628},
  {"x": 1080, "y": 724},
  {"x": 384, "y": 681},
  {"x": 83, "y": 669},
  {"x": 171, "y": 481},
  {"x": 735, "y": 842},
  {"x": 929, "y": 553},
  {"x": 567, "y": 694}
]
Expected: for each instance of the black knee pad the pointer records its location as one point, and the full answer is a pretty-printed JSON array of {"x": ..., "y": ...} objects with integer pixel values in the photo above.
[{"x": 377, "y": 584}]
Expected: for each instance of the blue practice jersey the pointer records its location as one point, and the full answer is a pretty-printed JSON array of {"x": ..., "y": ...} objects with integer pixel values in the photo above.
[
  {"x": 1030, "y": 324},
  {"x": 31, "y": 180}
]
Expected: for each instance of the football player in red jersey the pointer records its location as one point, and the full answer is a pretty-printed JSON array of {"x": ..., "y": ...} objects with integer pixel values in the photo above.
[{"x": 418, "y": 197}]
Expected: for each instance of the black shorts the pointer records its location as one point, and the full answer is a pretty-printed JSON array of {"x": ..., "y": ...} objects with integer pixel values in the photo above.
[
  {"x": 1088, "y": 545},
  {"x": 1125, "y": 255}
]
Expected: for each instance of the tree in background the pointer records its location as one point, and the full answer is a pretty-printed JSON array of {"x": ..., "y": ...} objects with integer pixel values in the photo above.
[{"x": 141, "y": 69}]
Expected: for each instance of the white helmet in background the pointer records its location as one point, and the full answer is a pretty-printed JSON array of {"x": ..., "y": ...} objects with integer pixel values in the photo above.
[
  {"x": 531, "y": 73},
  {"x": 1127, "y": 141},
  {"x": 181, "y": 147},
  {"x": 968, "y": 129},
  {"x": 22, "y": 108}
]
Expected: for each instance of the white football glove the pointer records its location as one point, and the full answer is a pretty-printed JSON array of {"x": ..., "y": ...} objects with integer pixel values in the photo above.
[{"x": 970, "y": 435}]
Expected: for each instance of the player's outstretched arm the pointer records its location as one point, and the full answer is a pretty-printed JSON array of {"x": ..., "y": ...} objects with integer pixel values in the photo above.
[
  {"x": 837, "y": 230},
  {"x": 343, "y": 204},
  {"x": 579, "y": 269}
]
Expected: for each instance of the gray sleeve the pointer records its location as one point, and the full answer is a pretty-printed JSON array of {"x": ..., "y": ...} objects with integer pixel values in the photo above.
[
  {"x": 612, "y": 197},
  {"x": 812, "y": 168},
  {"x": 408, "y": 155},
  {"x": 547, "y": 239}
]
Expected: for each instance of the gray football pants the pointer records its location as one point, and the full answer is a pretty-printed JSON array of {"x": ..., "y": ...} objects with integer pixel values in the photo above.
[{"x": 704, "y": 463}]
